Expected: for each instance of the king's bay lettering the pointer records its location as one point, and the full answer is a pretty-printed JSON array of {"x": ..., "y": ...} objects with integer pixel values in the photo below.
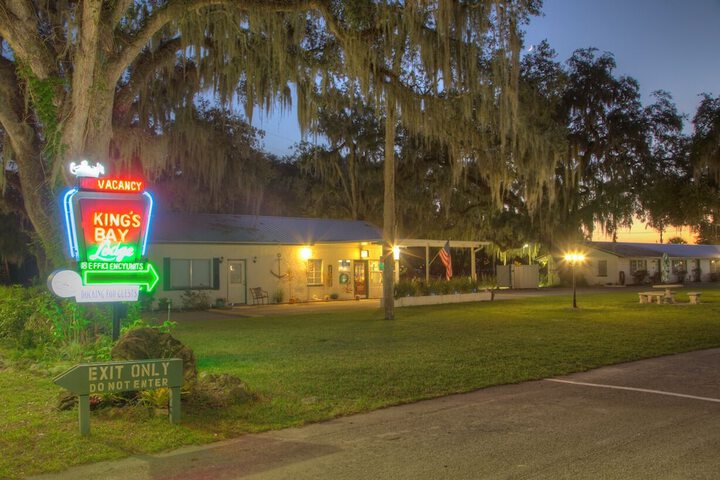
[
  {"x": 114, "y": 227},
  {"x": 117, "y": 378}
]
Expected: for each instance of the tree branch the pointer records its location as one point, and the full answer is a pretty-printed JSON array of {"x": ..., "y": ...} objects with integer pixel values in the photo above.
[
  {"x": 19, "y": 133},
  {"x": 176, "y": 9},
  {"x": 18, "y": 26},
  {"x": 119, "y": 10},
  {"x": 145, "y": 66},
  {"x": 84, "y": 78}
]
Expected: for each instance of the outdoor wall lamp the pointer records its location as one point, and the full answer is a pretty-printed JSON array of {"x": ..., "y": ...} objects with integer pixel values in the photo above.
[
  {"x": 305, "y": 253},
  {"x": 364, "y": 254}
]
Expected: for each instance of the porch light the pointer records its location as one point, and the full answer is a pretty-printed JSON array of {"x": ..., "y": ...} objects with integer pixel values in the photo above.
[
  {"x": 364, "y": 254},
  {"x": 396, "y": 252},
  {"x": 305, "y": 253}
]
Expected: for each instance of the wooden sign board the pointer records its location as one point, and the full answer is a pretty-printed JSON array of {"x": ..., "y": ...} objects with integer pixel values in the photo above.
[{"x": 113, "y": 377}]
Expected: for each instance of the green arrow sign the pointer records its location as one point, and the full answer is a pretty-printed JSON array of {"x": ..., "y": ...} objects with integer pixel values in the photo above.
[
  {"x": 112, "y": 377},
  {"x": 146, "y": 277}
]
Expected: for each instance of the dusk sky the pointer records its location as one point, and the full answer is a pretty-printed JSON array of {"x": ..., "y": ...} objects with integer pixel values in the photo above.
[{"x": 671, "y": 45}]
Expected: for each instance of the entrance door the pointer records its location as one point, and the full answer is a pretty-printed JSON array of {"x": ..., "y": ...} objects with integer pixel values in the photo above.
[
  {"x": 236, "y": 285},
  {"x": 360, "y": 276}
]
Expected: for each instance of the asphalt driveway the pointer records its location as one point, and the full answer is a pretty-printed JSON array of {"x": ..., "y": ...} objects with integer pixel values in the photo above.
[{"x": 651, "y": 419}]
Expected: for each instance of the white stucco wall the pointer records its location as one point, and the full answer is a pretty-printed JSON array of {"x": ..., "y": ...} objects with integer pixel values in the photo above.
[{"x": 261, "y": 260}]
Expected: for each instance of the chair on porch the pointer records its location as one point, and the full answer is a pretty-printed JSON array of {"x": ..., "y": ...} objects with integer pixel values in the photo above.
[{"x": 259, "y": 295}]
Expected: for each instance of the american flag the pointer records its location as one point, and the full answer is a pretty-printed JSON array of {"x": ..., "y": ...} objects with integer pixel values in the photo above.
[{"x": 446, "y": 259}]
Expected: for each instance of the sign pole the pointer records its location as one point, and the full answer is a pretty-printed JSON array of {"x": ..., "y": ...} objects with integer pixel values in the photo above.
[
  {"x": 175, "y": 405},
  {"x": 84, "y": 414},
  {"x": 115, "y": 321}
]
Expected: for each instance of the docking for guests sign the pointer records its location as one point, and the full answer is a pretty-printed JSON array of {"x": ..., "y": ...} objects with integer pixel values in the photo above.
[{"x": 112, "y": 377}]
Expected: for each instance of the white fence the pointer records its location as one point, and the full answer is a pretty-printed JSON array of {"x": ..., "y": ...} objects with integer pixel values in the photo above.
[{"x": 518, "y": 276}]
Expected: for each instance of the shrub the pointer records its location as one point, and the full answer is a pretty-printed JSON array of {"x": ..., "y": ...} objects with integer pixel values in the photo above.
[
  {"x": 415, "y": 287},
  {"x": 32, "y": 320},
  {"x": 278, "y": 296},
  {"x": 164, "y": 303},
  {"x": 195, "y": 300},
  {"x": 15, "y": 310},
  {"x": 146, "y": 300}
]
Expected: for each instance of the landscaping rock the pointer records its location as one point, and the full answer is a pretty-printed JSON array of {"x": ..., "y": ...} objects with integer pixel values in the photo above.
[
  {"x": 220, "y": 391},
  {"x": 148, "y": 343}
]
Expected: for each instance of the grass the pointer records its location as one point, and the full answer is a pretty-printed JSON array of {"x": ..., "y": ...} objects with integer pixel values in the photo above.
[{"x": 312, "y": 368}]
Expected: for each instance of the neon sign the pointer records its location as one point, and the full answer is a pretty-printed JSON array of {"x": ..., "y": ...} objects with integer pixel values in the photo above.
[{"x": 107, "y": 223}]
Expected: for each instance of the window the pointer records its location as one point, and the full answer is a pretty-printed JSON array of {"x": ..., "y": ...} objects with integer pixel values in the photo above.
[
  {"x": 714, "y": 266},
  {"x": 602, "y": 268},
  {"x": 314, "y": 272},
  {"x": 636, "y": 265},
  {"x": 190, "y": 273},
  {"x": 678, "y": 266}
]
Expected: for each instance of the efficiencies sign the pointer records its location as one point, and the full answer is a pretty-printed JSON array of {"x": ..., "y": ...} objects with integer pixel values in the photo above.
[{"x": 113, "y": 377}]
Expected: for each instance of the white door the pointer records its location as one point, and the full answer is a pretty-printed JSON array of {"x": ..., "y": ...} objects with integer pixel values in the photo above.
[{"x": 236, "y": 282}]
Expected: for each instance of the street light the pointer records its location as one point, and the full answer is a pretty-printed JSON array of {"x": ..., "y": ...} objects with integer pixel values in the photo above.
[{"x": 573, "y": 259}]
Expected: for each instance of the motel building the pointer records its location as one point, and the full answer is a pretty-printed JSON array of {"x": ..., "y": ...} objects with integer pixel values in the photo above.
[
  {"x": 230, "y": 257},
  {"x": 625, "y": 263}
]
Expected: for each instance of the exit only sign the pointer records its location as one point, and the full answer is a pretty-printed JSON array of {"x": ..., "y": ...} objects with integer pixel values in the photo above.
[{"x": 113, "y": 377}]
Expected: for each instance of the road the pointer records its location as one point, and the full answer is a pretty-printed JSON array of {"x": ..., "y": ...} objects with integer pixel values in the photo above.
[{"x": 651, "y": 419}]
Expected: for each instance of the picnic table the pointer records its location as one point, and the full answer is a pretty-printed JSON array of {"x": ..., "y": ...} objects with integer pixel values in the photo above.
[{"x": 669, "y": 293}]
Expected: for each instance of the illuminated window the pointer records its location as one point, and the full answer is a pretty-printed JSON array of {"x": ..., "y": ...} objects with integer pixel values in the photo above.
[
  {"x": 314, "y": 272},
  {"x": 602, "y": 268},
  {"x": 714, "y": 266},
  {"x": 188, "y": 274}
]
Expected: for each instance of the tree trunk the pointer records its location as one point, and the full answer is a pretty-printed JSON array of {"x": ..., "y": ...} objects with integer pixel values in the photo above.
[
  {"x": 389, "y": 233},
  {"x": 42, "y": 210}
]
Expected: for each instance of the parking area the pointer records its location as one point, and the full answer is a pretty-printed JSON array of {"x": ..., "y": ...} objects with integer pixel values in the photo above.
[{"x": 650, "y": 419}]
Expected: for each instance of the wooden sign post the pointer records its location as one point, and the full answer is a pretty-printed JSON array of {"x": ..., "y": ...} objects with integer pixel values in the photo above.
[{"x": 112, "y": 377}]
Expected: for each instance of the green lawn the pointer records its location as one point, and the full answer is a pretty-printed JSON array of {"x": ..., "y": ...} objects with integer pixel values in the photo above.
[{"x": 311, "y": 368}]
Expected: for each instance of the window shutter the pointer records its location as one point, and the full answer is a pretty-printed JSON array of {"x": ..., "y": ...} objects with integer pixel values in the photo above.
[
  {"x": 216, "y": 274},
  {"x": 166, "y": 273}
]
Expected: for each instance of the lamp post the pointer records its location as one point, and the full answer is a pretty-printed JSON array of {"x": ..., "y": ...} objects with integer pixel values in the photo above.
[{"x": 573, "y": 259}]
